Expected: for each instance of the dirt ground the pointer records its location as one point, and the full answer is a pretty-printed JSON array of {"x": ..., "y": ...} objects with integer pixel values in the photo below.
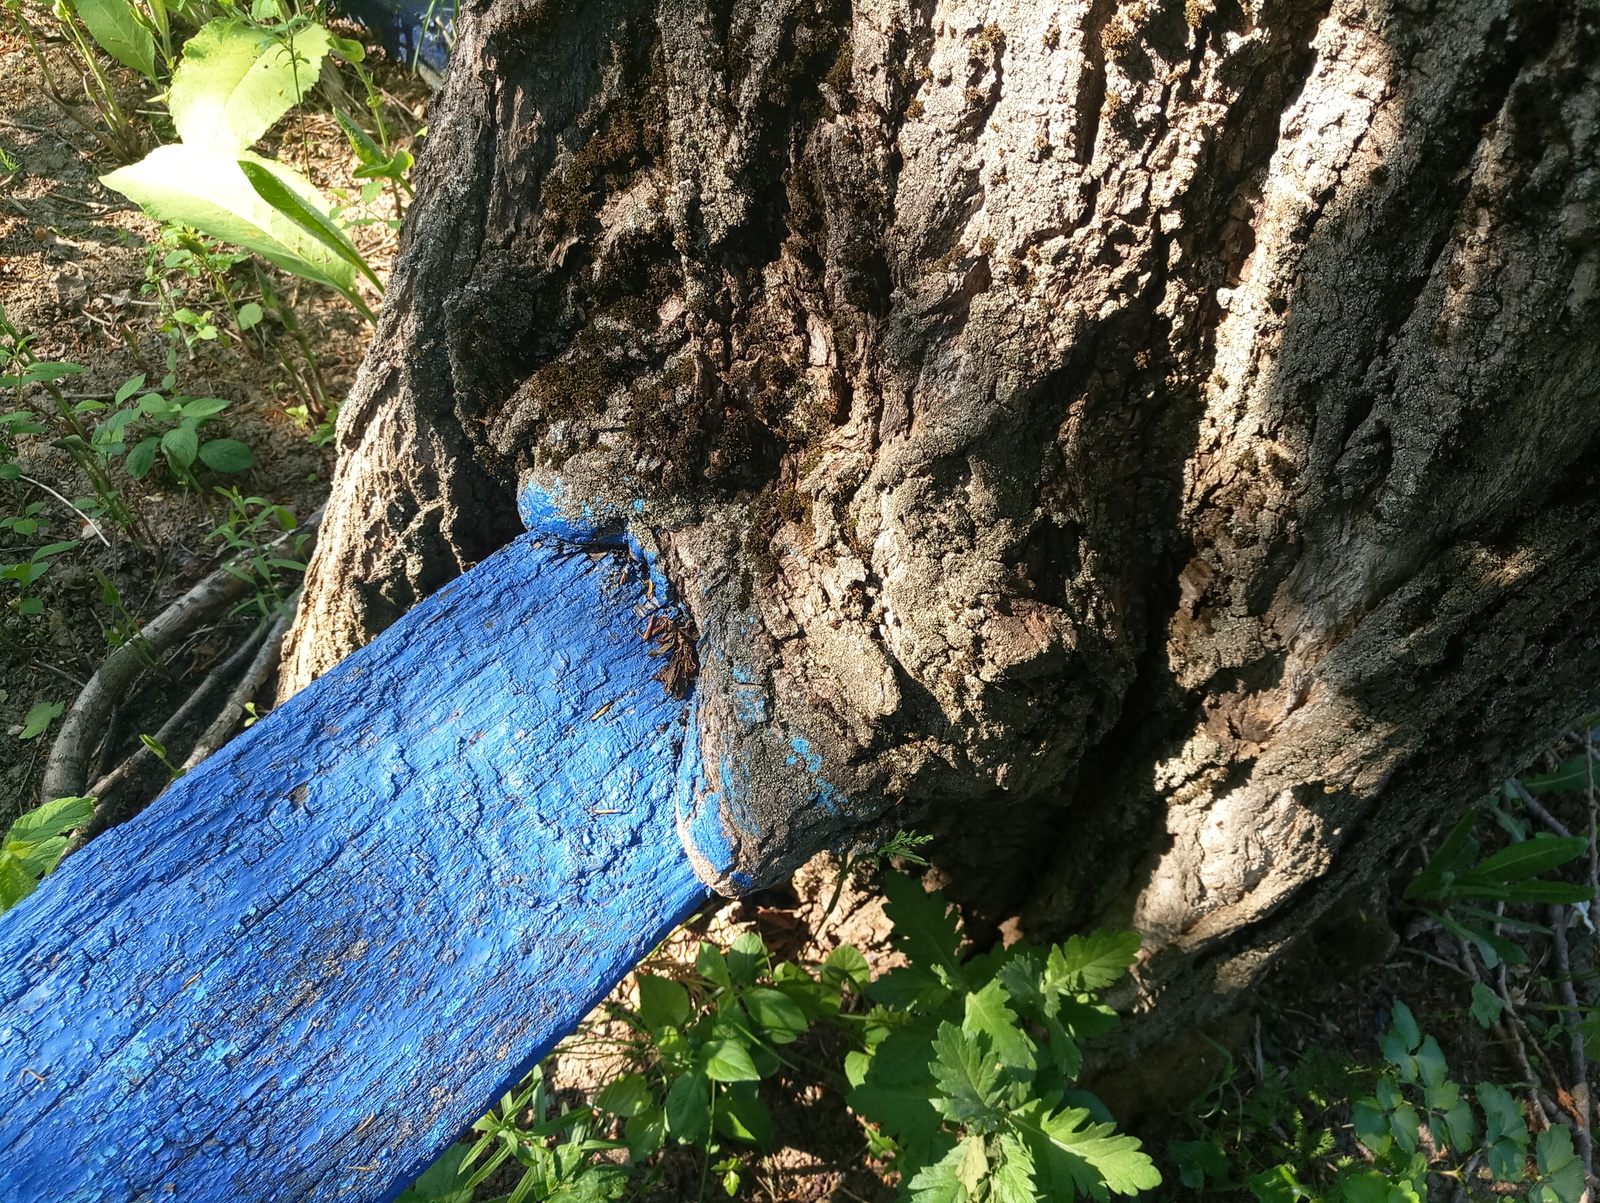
[{"x": 81, "y": 271}]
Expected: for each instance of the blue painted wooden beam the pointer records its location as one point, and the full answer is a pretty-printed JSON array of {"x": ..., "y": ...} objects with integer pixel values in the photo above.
[{"x": 304, "y": 969}]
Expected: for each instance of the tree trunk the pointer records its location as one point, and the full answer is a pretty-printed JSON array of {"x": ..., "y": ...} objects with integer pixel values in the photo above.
[{"x": 1152, "y": 445}]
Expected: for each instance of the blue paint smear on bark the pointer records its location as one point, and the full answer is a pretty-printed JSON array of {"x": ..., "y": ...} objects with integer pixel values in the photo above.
[{"x": 313, "y": 961}]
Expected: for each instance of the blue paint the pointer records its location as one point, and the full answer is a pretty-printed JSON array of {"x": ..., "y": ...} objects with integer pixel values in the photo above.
[
  {"x": 412, "y": 31},
  {"x": 304, "y": 969}
]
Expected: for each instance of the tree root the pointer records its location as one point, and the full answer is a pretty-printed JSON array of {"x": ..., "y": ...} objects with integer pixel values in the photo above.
[
  {"x": 262, "y": 667},
  {"x": 66, "y": 774}
]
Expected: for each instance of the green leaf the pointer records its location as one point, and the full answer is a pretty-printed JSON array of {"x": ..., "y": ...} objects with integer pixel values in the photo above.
[
  {"x": 967, "y": 1075},
  {"x": 1448, "y": 859},
  {"x": 898, "y": 1087},
  {"x": 1531, "y": 857},
  {"x": 51, "y": 819},
  {"x": 1404, "y": 1025},
  {"x": 1070, "y": 1153},
  {"x": 1560, "y": 1171},
  {"x": 1013, "y": 1180},
  {"x": 16, "y": 883},
  {"x": 1525, "y": 891},
  {"x": 1486, "y": 1005},
  {"x": 368, "y": 151},
  {"x": 180, "y": 445},
  {"x": 201, "y": 407},
  {"x": 226, "y": 455},
  {"x": 626, "y": 1096},
  {"x": 1198, "y": 1162},
  {"x": 1431, "y": 1063},
  {"x": 1491, "y": 947},
  {"x": 910, "y": 988},
  {"x": 689, "y": 1107},
  {"x": 923, "y": 930},
  {"x": 1277, "y": 1185},
  {"x": 142, "y": 458},
  {"x": 438, "y": 1181},
  {"x": 941, "y": 1181},
  {"x": 662, "y": 1002},
  {"x": 129, "y": 387},
  {"x": 742, "y": 1115},
  {"x": 113, "y": 25},
  {"x": 306, "y": 214},
  {"x": 250, "y": 315},
  {"x": 727, "y": 1060},
  {"x": 204, "y": 188},
  {"x": 776, "y": 1012},
  {"x": 645, "y": 1133},
  {"x": 236, "y": 80},
  {"x": 710, "y": 964},
  {"x": 1093, "y": 962},
  {"x": 1568, "y": 777},
  {"x": 987, "y": 1012},
  {"x": 747, "y": 957},
  {"x": 40, "y": 716}
]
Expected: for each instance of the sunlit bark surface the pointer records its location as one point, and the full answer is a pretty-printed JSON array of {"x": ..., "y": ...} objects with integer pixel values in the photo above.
[{"x": 1153, "y": 446}]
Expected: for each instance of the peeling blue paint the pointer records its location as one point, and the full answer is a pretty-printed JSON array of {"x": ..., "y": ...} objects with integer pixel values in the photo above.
[{"x": 305, "y": 968}]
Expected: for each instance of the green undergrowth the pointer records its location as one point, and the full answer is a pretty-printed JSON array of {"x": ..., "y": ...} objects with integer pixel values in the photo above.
[{"x": 962, "y": 1069}]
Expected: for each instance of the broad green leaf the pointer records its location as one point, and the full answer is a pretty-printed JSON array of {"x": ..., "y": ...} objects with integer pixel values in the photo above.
[
  {"x": 226, "y": 455},
  {"x": 1560, "y": 1171},
  {"x": 129, "y": 387},
  {"x": 1525, "y": 891},
  {"x": 743, "y": 1116},
  {"x": 1367, "y": 1186},
  {"x": 910, "y": 988},
  {"x": 728, "y": 1061},
  {"x": 1070, "y": 1153},
  {"x": 710, "y": 964},
  {"x": 366, "y": 150},
  {"x": 1405, "y": 1026},
  {"x": 1486, "y": 1005},
  {"x": 746, "y": 958},
  {"x": 689, "y": 1107},
  {"x": 202, "y": 407},
  {"x": 250, "y": 315},
  {"x": 967, "y": 1074},
  {"x": 645, "y": 1132},
  {"x": 662, "y": 1002},
  {"x": 308, "y": 216},
  {"x": 1277, "y": 1185},
  {"x": 626, "y": 1096},
  {"x": 897, "y": 1091},
  {"x": 987, "y": 1012},
  {"x": 236, "y": 80},
  {"x": 181, "y": 445},
  {"x": 1198, "y": 1162},
  {"x": 1491, "y": 947},
  {"x": 205, "y": 189},
  {"x": 16, "y": 883},
  {"x": 1431, "y": 1064},
  {"x": 1531, "y": 857},
  {"x": 1092, "y": 962},
  {"x": 142, "y": 458},
  {"x": 39, "y": 717},
  {"x": 775, "y": 1011},
  {"x": 36, "y": 838},
  {"x": 929, "y": 937},
  {"x": 113, "y": 25},
  {"x": 438, "y": 1183}
]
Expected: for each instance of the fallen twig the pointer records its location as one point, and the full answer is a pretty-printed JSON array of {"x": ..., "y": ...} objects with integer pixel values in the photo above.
[
  {"x": 1537, "y": 810},
  {"x": 1580, "y": 1062},
  {"x": 93, "y": 525}
]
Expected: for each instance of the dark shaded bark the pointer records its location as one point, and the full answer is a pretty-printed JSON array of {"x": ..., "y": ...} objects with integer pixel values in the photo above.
[{"x": 1152, "y": 445}]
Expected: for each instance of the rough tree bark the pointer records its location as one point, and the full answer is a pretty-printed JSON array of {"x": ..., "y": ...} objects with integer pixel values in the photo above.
[{"x": 1154, "y": 441}]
